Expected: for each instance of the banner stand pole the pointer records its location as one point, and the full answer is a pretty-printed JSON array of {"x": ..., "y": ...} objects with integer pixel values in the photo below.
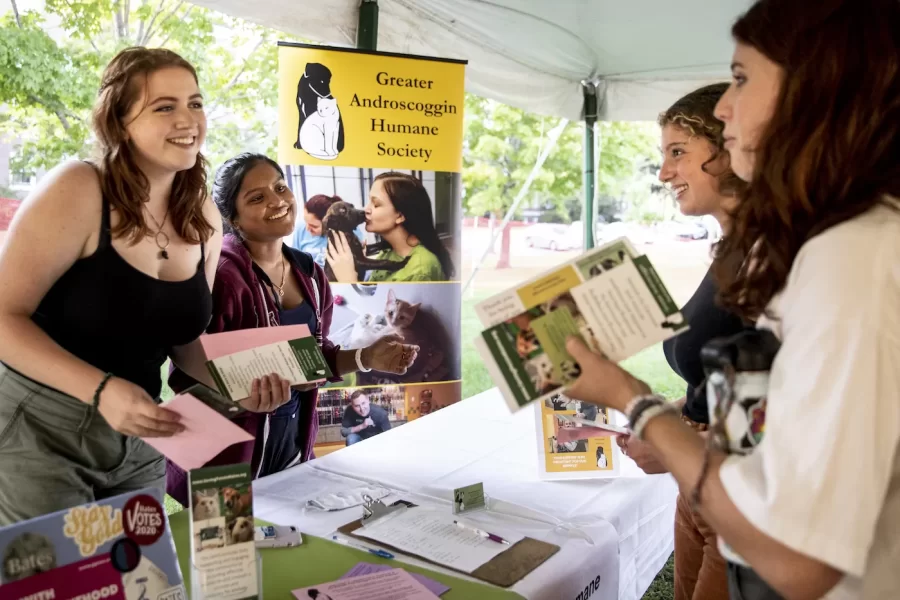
[
  {"x": 367, "y": 28},
  {"x": 590, "y": 173}
]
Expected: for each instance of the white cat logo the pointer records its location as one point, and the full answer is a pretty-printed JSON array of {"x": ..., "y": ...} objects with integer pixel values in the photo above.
[{"x": 320, "y": 132}]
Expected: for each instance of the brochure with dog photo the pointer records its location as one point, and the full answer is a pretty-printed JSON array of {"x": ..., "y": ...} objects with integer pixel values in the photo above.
[
  {"x": 223, "y": 552},
  {"x": 611, "y": 297},
  {"x": 120, "y": 547}
]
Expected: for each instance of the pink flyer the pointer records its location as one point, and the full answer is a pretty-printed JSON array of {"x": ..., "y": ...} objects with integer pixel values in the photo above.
[{"x": 395, "y": 584}]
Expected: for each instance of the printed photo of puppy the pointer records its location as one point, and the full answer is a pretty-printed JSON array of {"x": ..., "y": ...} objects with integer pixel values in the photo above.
[{"x": 237, "y": 504}]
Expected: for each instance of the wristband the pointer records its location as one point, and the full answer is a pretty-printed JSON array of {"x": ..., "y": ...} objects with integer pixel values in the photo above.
[
  {"x": 359, "y": 363},
  {"x": 640, "y": 403},
  {"x": 103, "y": 382},
  {"x": 648, "y": 415}
]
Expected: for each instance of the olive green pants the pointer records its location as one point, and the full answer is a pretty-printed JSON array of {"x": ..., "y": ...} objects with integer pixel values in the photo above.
[{"x": 57, "y": 452}]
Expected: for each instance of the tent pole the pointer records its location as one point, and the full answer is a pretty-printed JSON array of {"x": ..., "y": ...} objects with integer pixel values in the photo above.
[
  {"x": 590, "y": 174},
  {"x": 367, "y": 28}
]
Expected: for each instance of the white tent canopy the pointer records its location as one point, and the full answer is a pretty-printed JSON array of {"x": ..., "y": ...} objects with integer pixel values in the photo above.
[{"x": 534, "y": 54}]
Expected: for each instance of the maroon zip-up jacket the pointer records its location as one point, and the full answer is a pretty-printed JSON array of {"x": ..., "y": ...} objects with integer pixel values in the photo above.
[{"x": 240, "y": 301}]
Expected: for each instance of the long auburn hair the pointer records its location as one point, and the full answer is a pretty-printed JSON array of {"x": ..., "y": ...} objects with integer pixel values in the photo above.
[
  {"x": 121, "y": 180},
  {"x": 410, "y": 198},
  {"x": 832, "y": 148}
]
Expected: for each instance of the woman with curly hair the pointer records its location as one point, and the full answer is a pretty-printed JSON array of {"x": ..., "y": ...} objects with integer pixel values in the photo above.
[
  {"x": 696, "y": 169},
  {"x": 812, "y": 123}
]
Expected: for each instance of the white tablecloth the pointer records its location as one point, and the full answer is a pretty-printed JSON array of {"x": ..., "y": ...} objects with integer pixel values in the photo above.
[{"x": 619, "y": 529}]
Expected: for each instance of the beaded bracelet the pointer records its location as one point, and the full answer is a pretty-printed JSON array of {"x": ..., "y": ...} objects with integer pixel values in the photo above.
[
  {"x": 100, "y": 387},
  {"x": 640, "y": 403},
  {"x": 649, "y": 414}
]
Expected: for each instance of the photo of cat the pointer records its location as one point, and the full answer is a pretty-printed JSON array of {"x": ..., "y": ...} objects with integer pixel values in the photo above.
[
  {"x": 205, "y": 505},
  {"x": 426, "y": 315},
  {"x": 540, "y": 371}
]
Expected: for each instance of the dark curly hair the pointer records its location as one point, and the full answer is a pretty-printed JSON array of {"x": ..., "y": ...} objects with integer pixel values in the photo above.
[
  {"x": 830, "y": 151},
  {"x": 694, "y": 113}
]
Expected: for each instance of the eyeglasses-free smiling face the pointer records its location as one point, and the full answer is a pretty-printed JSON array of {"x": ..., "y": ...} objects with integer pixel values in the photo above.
[
  {"x": 166, "y": 126},
  {"x": 265, "y": 205},
  {"x": 361, "y": 405},
  {"x": 684, "y": 157},
  {"x": 748, "y": 105}
]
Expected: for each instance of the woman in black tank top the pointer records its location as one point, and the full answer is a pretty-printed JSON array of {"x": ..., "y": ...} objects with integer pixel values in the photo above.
[{"x": 105, "y": 270}]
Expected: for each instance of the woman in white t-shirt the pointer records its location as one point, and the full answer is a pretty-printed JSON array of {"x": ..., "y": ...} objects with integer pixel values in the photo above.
[{"x": 812, "y": 122}]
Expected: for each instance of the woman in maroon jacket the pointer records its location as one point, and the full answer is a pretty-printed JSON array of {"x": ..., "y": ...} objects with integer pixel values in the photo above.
[{"x": 261, "y": 282}]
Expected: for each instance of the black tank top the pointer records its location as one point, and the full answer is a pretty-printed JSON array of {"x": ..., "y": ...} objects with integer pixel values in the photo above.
[
  {"x": 121, "y": 320},
  {"x": 708, "y": 321}
]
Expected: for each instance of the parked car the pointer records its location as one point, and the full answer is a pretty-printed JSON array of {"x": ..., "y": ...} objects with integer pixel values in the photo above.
[
  {"x": 606, "y": 233},
  {"x": 691, "y": 231},
  {"x": 555, "y": 236}
]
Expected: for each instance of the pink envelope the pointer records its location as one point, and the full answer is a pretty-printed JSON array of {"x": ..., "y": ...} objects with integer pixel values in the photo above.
[
  {"x": 206, "y": 434},
  {"x": 217, "y": 345},
  {"x": 573, "y": 434}
]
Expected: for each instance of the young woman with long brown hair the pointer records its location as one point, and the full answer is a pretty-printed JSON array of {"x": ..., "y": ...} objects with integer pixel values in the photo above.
[
  {"x": 812, "y": 123},
  {"x": 108, "y": 265},
  {"x": 398, "y": 210}
]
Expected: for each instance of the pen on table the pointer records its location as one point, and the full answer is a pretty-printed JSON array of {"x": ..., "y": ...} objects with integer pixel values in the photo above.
[
  {"x": 483, "y": 533},
  {"x": 378, "y": 552}
]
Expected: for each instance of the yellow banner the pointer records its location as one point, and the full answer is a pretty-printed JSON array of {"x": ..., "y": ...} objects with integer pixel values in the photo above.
[{"x": 343, "y": 107}]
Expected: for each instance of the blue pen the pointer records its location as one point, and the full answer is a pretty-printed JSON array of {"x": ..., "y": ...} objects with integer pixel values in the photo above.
[{"x": 379, "y": 552}]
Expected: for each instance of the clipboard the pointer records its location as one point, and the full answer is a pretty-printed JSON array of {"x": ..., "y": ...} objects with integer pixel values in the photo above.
[{"x": 504, "y": 570}]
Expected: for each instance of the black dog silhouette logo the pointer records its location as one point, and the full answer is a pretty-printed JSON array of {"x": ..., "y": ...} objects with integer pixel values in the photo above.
[{"x": 320, "y": 132}]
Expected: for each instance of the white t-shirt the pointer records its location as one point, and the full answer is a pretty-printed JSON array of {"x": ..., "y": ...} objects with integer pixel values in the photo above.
[{"x": 825, "y": 479}]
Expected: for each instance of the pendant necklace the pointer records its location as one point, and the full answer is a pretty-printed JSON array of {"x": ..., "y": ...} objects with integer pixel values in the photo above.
[
  {"x": 163, "y": 253},
  {"x": 280, "y": 288}
]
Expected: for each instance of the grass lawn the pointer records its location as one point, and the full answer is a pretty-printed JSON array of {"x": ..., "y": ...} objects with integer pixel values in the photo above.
[{"x": 650, "y": 365}]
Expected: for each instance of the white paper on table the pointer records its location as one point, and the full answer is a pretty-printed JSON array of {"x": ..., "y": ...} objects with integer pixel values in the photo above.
[{"x": 432, "y": 535}]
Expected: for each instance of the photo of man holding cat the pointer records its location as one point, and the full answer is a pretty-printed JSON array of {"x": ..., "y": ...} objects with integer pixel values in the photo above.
[{"x": 363, "y": 420}]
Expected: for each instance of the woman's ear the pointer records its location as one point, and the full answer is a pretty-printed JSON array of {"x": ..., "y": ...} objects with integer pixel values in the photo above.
[{"x": 400, "y": 218}]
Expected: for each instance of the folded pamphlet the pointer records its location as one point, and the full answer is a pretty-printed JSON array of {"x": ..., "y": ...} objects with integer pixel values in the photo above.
[
  {"x": 229, "y": 362},
  {"x": 611, "y": 297}
]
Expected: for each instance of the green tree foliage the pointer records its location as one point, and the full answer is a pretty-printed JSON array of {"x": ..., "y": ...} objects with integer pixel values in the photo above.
[
  {"x": 51, "y": 62},
  {"x": 502, "y": 144}
]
